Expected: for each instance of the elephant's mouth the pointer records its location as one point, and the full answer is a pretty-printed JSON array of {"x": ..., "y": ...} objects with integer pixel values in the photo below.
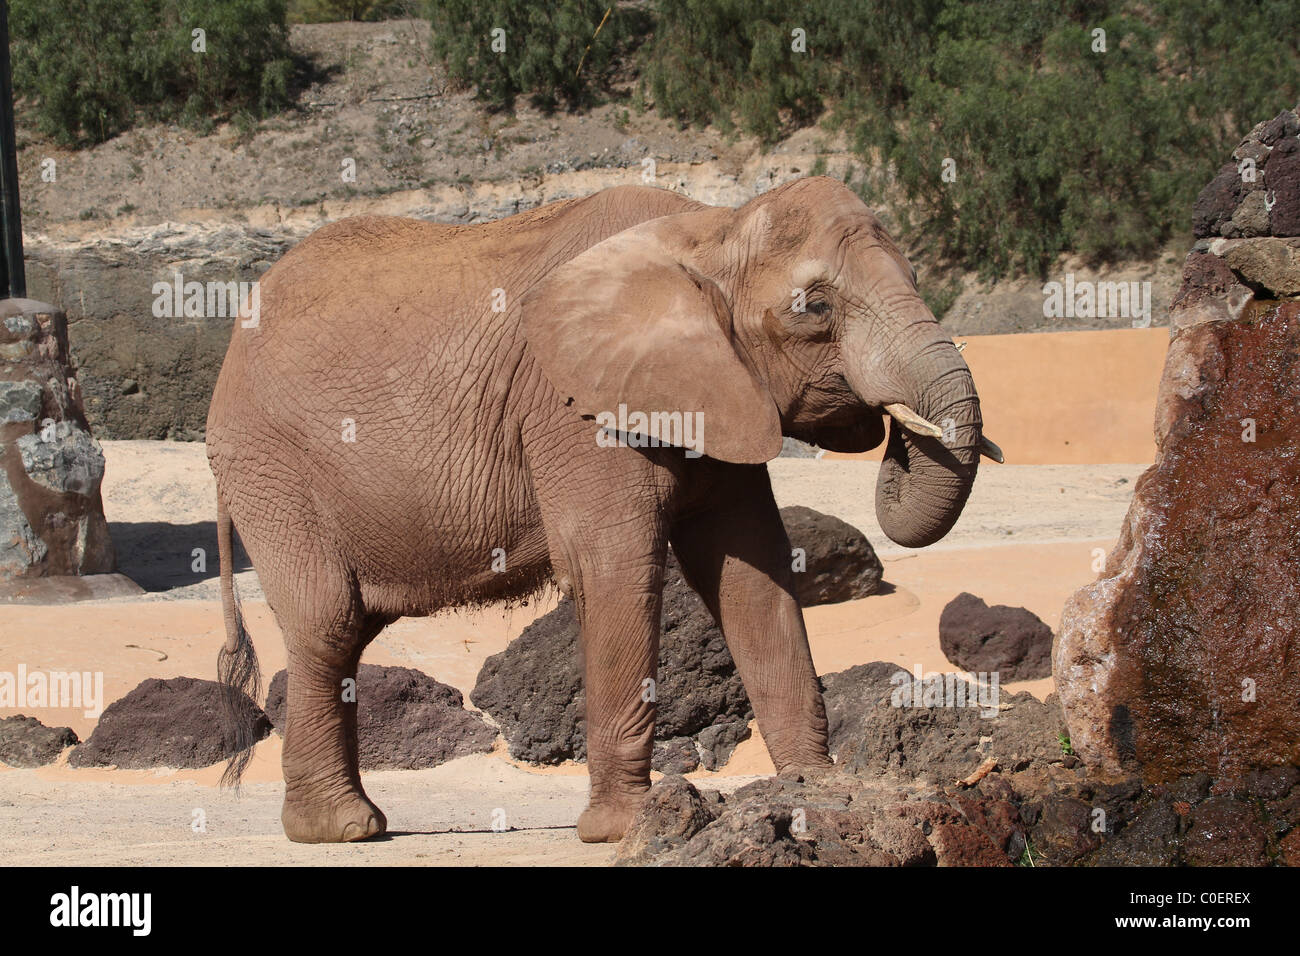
[{"x": 863, "y": 434}]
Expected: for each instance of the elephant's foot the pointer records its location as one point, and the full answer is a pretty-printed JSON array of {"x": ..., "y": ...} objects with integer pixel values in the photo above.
[
  {"x": 339, "y": 820},
  {"x": 812, "y": 761},
  {"x": 797, "y": 747},
  {"x": 607, "y": 822}
]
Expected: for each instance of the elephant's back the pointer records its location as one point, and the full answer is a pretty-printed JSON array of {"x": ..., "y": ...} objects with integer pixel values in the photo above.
[
  {"x": 392, "y": 289},
  {"x": 383, "y": 312}
]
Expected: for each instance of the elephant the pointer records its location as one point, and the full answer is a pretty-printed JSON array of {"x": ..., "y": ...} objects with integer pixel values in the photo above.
[{"x": 422, "y": 416}]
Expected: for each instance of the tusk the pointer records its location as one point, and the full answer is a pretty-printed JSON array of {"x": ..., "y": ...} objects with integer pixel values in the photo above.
[
  {"x": 990, "y": 450},
  {"x": 905, "y": 416}
]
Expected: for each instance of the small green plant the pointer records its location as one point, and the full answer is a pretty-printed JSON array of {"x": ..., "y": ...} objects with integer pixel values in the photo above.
[
  {"x": 1064, "y": 738},
  {"x": 1027, "y": 855}
]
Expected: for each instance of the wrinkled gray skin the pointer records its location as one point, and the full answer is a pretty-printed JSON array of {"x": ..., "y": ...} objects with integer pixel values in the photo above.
[{"x": 470, "y": 436}]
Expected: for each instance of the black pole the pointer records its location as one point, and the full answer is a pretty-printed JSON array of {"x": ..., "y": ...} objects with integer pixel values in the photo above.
[{"x": 13, "y": 283}]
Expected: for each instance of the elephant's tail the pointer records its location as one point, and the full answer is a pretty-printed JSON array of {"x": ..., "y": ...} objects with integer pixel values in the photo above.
[{"x": 237, "y": 670}]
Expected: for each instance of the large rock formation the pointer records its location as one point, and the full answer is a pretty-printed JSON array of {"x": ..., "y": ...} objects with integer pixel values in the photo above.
[
  {"x": 940, "y": 785},
  {"x": 1185, "y": 655},
  {"x": 51, "y": 513}
]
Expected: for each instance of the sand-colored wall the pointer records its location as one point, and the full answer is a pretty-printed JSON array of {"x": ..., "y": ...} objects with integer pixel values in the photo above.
[{"x": 1068, "y": 398}]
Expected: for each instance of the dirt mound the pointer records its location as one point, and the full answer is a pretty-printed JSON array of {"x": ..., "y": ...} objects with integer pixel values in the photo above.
[
  {"x": 406, "y": 720},
  {"x": 165, "y": 723}
]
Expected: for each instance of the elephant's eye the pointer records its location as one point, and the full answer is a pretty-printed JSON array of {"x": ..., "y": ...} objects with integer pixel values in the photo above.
[{"x": 819, "y": 307}]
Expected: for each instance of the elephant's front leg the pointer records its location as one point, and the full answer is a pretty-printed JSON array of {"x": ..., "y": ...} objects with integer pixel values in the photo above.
[
  {"x": 619, "y": 614},
  {"x": 737, "y": 557}
]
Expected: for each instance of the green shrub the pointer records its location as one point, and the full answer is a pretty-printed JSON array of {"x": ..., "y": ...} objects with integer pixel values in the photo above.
[
  {"x": 545, "y": 43},
  {"x": 1056, "y": 147},
  {"x": 90, "y": 67},
  {"x": 734, "y": 61},
  {"x": 1062, "y": 149}
]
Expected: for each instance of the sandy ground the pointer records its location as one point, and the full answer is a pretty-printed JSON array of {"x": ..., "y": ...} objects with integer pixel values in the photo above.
[{"x": 1028, "y": 537}]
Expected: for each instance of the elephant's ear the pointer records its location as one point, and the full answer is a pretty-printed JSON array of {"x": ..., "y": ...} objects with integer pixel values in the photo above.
[{"x": 628, "y": 323}]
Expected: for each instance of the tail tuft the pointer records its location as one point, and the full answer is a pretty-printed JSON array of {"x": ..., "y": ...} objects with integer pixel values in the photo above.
[
  {"x": 237, "y": 670},
  {"x": 241, "y": 681}
]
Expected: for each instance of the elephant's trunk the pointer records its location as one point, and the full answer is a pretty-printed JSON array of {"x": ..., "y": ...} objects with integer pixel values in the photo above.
[{"x": 923, "y": 482}]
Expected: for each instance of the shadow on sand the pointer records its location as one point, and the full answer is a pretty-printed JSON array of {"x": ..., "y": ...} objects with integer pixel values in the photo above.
[{"x": 160, "y": 556}]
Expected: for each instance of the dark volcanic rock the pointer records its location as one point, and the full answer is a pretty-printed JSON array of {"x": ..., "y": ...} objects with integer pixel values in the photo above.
[
  {"x": 870, "y": 734},
  {"x": 1152, "y": 839},
  {"x": 1217, "y": 202},
  {"x": 1236, "y": 204},
  {"x": 1010, "y": 641},
  {"x": 841, "y": 565},
  {"x": 533, "y": 688},
  {"x": 717, "y": 742},
  {"x": 1064, "y": 831},
  {"x": 406, "y": 720},
  {"x": 1226, "y": 832},
  {"x": 1284, "y": 186},
  {"x": 26, "y": 742},
  {"x": 676, "y": 756},
  {"x": 165, "y": 723},
  {"x": 829, "y": 819},
  {"x": 673, "y": 812}
]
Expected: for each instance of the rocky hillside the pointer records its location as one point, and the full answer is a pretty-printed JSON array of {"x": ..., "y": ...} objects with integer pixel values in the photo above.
[{"x": 103, "y": 225}]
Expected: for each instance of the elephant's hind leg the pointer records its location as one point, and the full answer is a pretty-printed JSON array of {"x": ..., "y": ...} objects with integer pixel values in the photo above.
[{"x": 324, "y": 801}]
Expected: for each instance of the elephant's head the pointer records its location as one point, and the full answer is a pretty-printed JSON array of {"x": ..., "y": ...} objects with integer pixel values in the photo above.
[{"x": 793, "y": 315}]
